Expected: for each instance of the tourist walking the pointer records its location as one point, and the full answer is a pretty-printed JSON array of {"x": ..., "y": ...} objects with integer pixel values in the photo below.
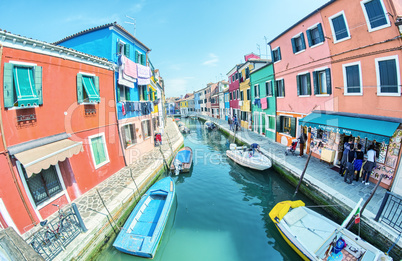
[
  {"x": 369, "y": 165},
  {"x": 349, "y": 165},
  {"x": 302, "y": 141},
  {"x": 346, "y": 149},
  {"x": 359, "y": 156},
  {"x": 230, "y": 122}
]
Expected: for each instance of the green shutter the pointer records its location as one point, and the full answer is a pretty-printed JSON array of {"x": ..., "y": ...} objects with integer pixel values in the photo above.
[
  {"x": 283, "y": 87},
  {"x": 293, "y": 45},
  {"x": 127, "y": 50},
  {"x": 308, "y": 84},
  {"x": 98, "y": 150},
  {"x": 118, "y": 93},
  {"x": 316, "y": 87},
  {"x": 298, "y": 84},
  {"x": 9, "y": 92},
  {"x": 293, "y": 127},
  {"x": 127, "y": 91},
  {"x": 319, "y": 26},
  {"x": 303, "y": 41},
  {"x": 136, "y": 56},
  {"x": 279, "y": 124},
  {"x": 24, "y": 83},
  {"x": 80, "y": 89},
  {"x": 38, "y": 83},
  {"x": 328, "y": 75}
]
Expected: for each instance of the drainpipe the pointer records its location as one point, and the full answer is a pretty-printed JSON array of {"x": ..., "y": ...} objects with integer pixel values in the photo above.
[{"x": 10, "y": 164}]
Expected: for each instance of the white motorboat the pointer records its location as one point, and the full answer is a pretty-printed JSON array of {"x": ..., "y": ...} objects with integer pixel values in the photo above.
[{"x": 248, "y": 158}]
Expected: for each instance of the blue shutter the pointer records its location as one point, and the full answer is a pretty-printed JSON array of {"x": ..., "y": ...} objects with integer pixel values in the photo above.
[
  {"x": 319, "y": 27},
  {"x": 293, "y": 45},
  {"x": 308, "y": 33},
  {"x": 9, "y": 92},
  {"x": 303, "y": 42},
  {"x": 316, "y": 87},
  {"x": 308, "y": 84},
  {"x": 38, "y": 83},
  {"x": 388, "y": 76},
  {"x": 283, "y": 87},
  {"x": 340, "y": 27},
  {"x": 279, "y": 53},
  {"x": 298, "y": 84},
  {"x": 329, "y": 85},
  {"x": 293, "y": 127}
]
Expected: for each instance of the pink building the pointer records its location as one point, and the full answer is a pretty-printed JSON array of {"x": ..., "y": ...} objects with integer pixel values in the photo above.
[{"x": 234, "y": 93}]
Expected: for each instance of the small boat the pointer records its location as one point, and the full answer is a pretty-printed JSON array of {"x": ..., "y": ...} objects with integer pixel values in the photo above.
[
  {"x": 315, "y": 237},
  {"x": 143, "y": 229},
  {"x": 184, "y": 129},
  {"x": 209, "y": 125},
  {"x": 183, "y": 161},
  {"x": 247, "y": 158}
]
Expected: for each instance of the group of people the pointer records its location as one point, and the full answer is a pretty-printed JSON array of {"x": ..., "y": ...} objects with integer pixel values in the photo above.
[
  {"x": 233, "y": 123},
  {"x": 352, "y": 164}
]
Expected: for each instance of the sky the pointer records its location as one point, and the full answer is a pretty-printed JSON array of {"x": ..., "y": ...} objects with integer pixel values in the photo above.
[{"x": 192, "y": 42}]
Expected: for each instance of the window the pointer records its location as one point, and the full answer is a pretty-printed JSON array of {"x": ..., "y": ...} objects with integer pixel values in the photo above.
[
  {"x": 87, "y": 88},
  {"x": 22, "y": 85},
  {"x": 242, "y": 95},
  {"x": 247, "y": 72},
  {"x": 315, "y": 35},
  {"x": 298, "y": 43},
  {"x": 237, "y": 94},
  {"x": 98, "y": 150},
  {"x": 339, "y": 27},
  {"x": 257, "y": 90},
  {"x": 140, "y": 58},
  {"x": 243, "y": 116},
  {"x": 230, "y": 94},
  {"x": 123, "y": 93},
  {"x": 375, "y": 14},
  {"x": 123, "y": 48},
  {"x": 128, "y": 134},
  {"x": 43, "y": 185},
  {"x": 276, "y": 54},
  {"x": 286, "y": 125},
  {"x": 146, "y": 128},
  {"x": 270, "y": 123},
  {"x": 280, "y": 88},
  {"x": 388, "y": 76},
  {"x": 303, "y": 84},
  {"x": 268, "y": 88},
  {"x": 322, "y": 81},
  {"x": 248, "y": 94},
  {"x": 352, "y": 79},
  {"x": 143, "y": 90}
]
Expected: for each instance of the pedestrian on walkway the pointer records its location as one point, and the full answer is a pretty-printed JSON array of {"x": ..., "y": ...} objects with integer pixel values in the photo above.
[
  {"x": 236, "y": 123},
  {"x": 230, "y": 122},
  {"x": 302, "y": 141},
  {"x": 359, "y": 156},
  {"x": 346, "y": 148},
  {"x": 369, "y": 165},
  {"x": 349, "y": 165}
]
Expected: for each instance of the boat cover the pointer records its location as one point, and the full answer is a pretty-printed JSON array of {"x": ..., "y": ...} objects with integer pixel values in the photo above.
[
  {"x": 282, "y": 208},
  {"x": 184, "y": 156}
]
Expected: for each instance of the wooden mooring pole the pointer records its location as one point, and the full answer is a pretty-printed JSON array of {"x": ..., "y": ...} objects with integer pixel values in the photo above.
[
  {"x": 107, "y": 211},
  {"x": 302, "y": 175}
]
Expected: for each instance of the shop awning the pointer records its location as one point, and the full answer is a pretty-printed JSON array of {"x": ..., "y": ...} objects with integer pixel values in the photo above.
[
  {"x": 372, "y": 129},
  {"x": 42, "y": 157}
]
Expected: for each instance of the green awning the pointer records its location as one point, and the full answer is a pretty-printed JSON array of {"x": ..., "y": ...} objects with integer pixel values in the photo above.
[
  {"x": 364, "y": 128},
  {"x": 25, "y": 86},
  {"x": 89, "y": 86}
]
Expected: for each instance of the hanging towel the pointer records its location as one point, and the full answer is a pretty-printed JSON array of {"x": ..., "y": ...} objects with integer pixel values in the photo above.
[
  {"x": 144, "y": 81},
  {"x": 137, "y": 106},
  {"x": 263, "y": 103},
  {"x": 130, "y": 67},
  {"x": 126, "y": 82},
  {"x": 143, "y": 71},
  {"x": 123, "y": 110},
  {"x": 143, "y": 108}
]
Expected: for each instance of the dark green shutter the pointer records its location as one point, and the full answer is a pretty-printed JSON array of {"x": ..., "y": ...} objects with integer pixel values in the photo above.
[
  {"x": 316, "y": 87},
  {"x": 328, "y": 75},
  {"x": 279, "y": 124},
  {"x": 127, "y": 91},
  {"x": 310, "y": 42},
  {"x": 136, "y": 56},
  {"x": 319, "y": 26},
  {"x": 143, "y": 59},
  {"x": 9, "y": 93},
  {"x": 298, "y": 84},
  {"x": 293, "y": 127},
  {"x": 293, "y": 45},
  {"x": 303, "y": 41},
  {"x": 96, "y": 83},
  {"x": 276, "y": 89},
  {"x": 279, "y": 53},
  {"x": 117, "y": 48},
  {"x": 308, "y": 84},
  {"x": 127, "y": 50},
  {"x": 38, "y": 83},
  {"x": 283, "y": 87},
  {"x": 80, "y": 90},
  {"x": 118, "y": 93}
]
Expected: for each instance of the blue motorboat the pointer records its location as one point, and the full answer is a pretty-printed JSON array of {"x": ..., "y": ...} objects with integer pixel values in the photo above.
[{"x": 143, "y": 229}]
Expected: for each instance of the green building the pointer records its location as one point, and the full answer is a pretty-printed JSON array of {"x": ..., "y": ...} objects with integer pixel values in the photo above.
[{"x": 263, "y": 101}]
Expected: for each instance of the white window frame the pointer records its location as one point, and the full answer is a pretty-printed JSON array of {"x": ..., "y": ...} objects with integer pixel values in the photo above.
[
  {"x": 273, "y": 50},
  {"x": 280, "y": 79},
  {"x": 345, "y": 87},
  {"x": 322, "y": 94},
  {"x": 150, "y": 131},
  {"x": 305, "y": 95},
  {"x": 311, "y": 28},
  {"x": 102, "y": 134},
  {"x": 258, "y": 88},
  {"x": 398, "y": 75},
  {"x": 135, "y": 134},
  {"x": 297, "y": 36},
  {"x": 267, "y": 123},
  {"x": 272, "y": 87},
  {"x": 388, "y": 24},
  {"x": 333, "y": 30}
]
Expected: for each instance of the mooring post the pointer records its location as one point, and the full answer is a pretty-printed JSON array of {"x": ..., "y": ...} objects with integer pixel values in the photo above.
[
  {"x": 107, "y": 210},
  {"x": 302, "y": 175},
  {"x": 78, "y": 215},
  {"x": 138, "y": 191}
]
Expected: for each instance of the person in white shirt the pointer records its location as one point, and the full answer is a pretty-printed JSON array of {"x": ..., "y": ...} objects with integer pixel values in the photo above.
[{"x": 369, "y": 165}]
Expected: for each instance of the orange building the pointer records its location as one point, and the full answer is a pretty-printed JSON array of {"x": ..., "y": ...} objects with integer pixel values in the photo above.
[{"x": 58, "y": 128}]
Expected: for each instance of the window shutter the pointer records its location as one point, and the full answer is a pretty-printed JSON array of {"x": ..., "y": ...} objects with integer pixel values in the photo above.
[
  {"x": 308, "y": 84},
  {"x": 293, "y": 127},
  {"x": 118, "y": 93},
  {"x": 117, "y": 48},
  {"x": 80, "y": 91},
  {"x": 319, "y": 26},
  {"x": 127, "y": 92},
  {"x": 279, "y": 53},
  {"x": 38, "y": 83},
  {"x": 316, "y": 87},
  {"x": 279, "y": 124},
  {"x": 308, "y": 33},
  {"x": 298, "y": 84},
  {"x": 276, "y": 89},
  {"x": 283, "y": 87},
  {"x": 303, "y": 42},
  {"x": 9, "y": 93},
  {"x": 96, "y": 83},
  {"x": 328, "y": 76},
  {"x": 123, "y": 136},
  {"x": 127, "y": 50},
  {"x": 293, "y": 45},
  {"x": 272, "y": 56},
  {"x": 136, "y": 56}
]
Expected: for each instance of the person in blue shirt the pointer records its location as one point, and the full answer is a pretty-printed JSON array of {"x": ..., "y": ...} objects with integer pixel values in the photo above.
[
  {"x": 346, "y": 149},
  {"x": 254, "y": 147}
]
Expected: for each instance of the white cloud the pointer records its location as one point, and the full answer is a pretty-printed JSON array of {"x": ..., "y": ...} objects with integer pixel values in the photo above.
[
  {"x": 178, "y": 86},
  {"x": 213, "y": 60}
]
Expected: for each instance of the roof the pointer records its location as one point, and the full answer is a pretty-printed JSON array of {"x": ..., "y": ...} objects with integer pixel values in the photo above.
[
  {"x": 93, "y": 29},
  {"x": 255, "y": 70},
  {"x": 301, "y": 20}
]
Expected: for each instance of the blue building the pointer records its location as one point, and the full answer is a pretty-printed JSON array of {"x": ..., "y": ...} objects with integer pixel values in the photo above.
[
  {"x": 227, "y": 104},
  {"x": 135, "y": 97}
]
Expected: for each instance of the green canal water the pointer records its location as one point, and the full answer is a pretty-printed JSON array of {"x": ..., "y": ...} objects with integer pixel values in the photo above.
[{"x": 222, "y": 209}]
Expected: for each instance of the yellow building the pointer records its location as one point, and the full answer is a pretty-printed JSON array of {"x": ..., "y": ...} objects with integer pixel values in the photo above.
[{"x": 245, "y": 103}]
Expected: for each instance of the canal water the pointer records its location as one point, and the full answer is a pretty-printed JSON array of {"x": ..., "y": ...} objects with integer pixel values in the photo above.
[{"x": 222, "y": 209}]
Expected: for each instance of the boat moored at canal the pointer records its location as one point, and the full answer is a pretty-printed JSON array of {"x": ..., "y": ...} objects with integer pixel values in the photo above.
[
  {"x": 315, "y": 237},
  {"x": 250, "y": 158},
  {"x": 182, "y": 161}
]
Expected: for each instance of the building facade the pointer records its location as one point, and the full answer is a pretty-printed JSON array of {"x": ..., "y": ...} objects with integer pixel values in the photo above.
[
  {"x": 222, "y": 86},
  {"x": 234, "y": 84}
]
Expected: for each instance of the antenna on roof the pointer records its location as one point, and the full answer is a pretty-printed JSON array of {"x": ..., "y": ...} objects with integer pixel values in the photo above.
[
  {"x": 135, "y": 23},
  {"x": 266, "y": 46},
  {"x": 259, "y": 50}
]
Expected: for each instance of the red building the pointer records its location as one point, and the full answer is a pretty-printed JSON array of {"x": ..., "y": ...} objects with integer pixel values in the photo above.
[
  {"x": 234, "y": 93},
  {"x": 59, "y": 133}
]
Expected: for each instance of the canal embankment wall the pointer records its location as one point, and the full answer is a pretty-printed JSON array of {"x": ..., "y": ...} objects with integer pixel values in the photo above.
[
  {"x": 131, "y": 182},
  {"x": 338, "y": 203}
]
